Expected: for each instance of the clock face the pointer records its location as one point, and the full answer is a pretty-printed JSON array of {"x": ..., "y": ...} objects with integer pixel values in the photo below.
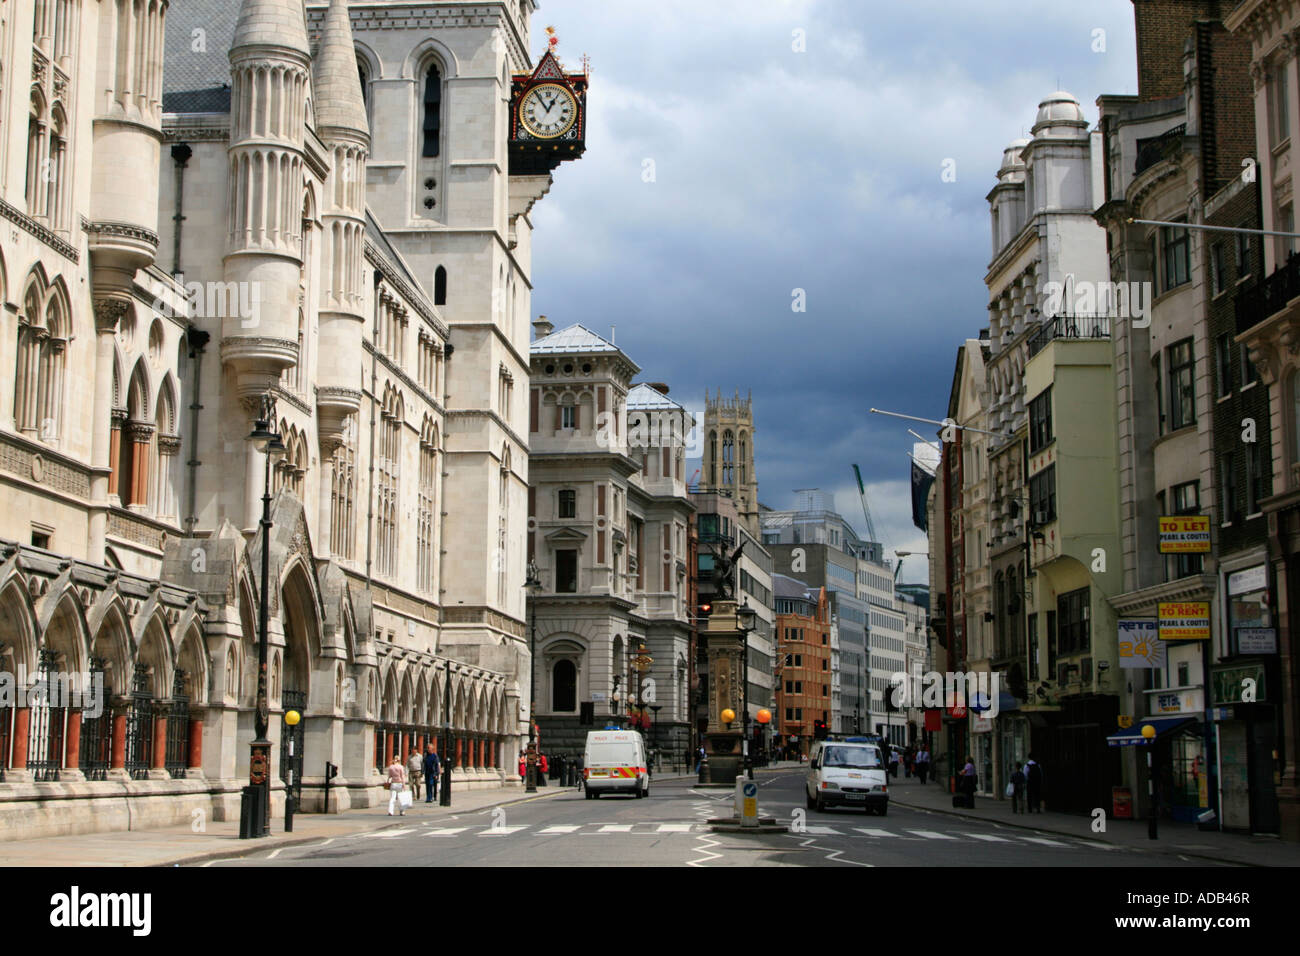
[{"x": 548, "y": 111}]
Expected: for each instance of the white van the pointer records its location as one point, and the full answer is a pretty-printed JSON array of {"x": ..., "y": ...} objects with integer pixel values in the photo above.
[
  {"x": 615, "y": 762},
  {"x": 847, "y": 772}
]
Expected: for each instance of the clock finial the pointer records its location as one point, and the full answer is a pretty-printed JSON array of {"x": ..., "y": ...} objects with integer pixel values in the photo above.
[{"x": 552, "y": 41}]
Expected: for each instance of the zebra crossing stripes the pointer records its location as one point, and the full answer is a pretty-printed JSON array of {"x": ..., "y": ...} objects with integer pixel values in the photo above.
[
  {"x": 446, "y": 831},
  {"x": 561, "y": 828},
  {"x": 1044, "y": 841},
  {"x": 987, "y": 836},
  {"x": 933, "y": 834}
]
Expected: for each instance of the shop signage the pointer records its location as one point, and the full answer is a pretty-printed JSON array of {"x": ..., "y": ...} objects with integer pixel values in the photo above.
[
  {"x": 1125, "y": 721},
  {"x": 1139, "y": 643},
  {"x": 1170, "y": 702},
  {"x": 1256, "y": 640},
  {"x": 980, "y": 725},
  {"x": 1252, "y": 579},
  {"x": 1185, "y": 534},
  {"x": 1242, "y": 683},
  {"x": 1184, "y": 621}
]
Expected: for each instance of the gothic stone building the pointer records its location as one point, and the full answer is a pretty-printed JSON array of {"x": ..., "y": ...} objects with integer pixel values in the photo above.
[{"x": 226, "y": 211}]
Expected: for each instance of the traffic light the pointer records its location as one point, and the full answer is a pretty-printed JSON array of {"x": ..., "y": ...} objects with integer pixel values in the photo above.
[
  {"x": 819, "y": 730},
  {"x": 703, "y": 611}
]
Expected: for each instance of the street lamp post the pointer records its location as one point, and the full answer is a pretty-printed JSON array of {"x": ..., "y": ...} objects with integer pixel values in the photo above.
[
  {"x": 255, "y": 807},
  {"x": 654, "y": 727},
  {"x": 444, "y": 798},
  {"x": 534, "y": 586}
]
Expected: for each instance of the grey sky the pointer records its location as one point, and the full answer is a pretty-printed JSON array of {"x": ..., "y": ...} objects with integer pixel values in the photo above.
[{"x": 775, "y": 170}]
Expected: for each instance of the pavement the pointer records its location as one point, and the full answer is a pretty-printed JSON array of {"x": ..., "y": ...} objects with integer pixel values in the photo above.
[
  {"x": 206, "y": 840},
  {"x": 1181, "y": 839}
]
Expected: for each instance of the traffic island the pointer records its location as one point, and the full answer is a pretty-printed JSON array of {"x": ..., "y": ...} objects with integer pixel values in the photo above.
[
  {"x": 745, "y": 819},
  {"x": 739, "y": 825}
]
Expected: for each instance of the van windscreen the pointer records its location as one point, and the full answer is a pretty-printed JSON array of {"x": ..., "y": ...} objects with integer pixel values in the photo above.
[{"x": 861, "y": 758}]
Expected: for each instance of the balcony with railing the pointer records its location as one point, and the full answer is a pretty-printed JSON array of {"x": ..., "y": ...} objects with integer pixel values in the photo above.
[
  {"x": 1269, "y": 296},
  {"x": 1156, "y": 149},
  {"x": 1073, "y": 327}
]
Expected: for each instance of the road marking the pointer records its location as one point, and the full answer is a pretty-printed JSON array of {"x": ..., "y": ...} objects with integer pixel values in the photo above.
[
  {"x": 275, "y": 853},
  {"x": 932, "y": 835},
  {"x": 446, "y": 831},
  {"x": 616, "y": 828},
  {"x": 389, "y": 834},
  {"x": 561, "y": 828},
  {"x": 820, "y": 830},
  {"x": 501, "y": 831},
  {"x": 1044, "y": 841},
  {"x": 675, "y": 827},
  {"x": 875, "y": 833},
  {"x": 988, "y": 836},
  {"x": 832, "y": 855}
]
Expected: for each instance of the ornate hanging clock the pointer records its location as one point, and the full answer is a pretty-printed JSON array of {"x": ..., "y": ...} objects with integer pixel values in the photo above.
[{"x": 548, "y": 121}]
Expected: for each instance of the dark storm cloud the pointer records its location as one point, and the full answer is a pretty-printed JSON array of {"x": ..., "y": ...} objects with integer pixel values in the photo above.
[{"x": 724, "y": 170}]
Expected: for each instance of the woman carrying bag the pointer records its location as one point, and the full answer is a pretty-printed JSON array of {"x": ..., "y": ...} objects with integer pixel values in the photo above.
[{"x": 398, "y": 795}]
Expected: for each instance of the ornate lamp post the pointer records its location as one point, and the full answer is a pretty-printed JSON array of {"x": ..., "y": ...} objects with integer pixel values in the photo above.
[
  {"x": 444, "y": 798},
  {"x": 1153, "y": 792},
  {"x": 255, "y": 807},
  {"x": 746, "y": 621},
  {"x": 534, "y": 586}
]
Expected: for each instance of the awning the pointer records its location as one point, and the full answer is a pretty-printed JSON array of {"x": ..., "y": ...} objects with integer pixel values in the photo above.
[
  {"x": 1006, "y": 701},
  {"x": 1132, "y": 737}
]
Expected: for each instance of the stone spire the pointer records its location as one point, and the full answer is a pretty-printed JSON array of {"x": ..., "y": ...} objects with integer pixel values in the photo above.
[
  {"x": 339, "y": 100},
  {"x": 271, "y": 23}
]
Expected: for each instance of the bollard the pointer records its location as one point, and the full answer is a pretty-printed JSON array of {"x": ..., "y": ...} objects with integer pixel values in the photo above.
[{"x": 288, "y": 812}]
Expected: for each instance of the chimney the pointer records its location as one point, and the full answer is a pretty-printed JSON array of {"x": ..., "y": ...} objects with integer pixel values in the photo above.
[{"x": 542, "y": 328}]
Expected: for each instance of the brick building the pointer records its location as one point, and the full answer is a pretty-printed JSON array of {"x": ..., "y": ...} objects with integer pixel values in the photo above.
[{"x": 803, "y": 690}]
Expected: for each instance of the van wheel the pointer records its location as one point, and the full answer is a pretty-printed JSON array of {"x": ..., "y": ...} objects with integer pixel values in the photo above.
[
  {"x": 589, "y": 794},
  {"x": 883, "y": 809},
  {"x": 808, "y": 799},
  {"x": 819, "y": 805}
]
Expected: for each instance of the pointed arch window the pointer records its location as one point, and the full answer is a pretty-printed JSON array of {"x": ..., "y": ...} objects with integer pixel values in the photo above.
[
  {"x": 440, "y": 286},
  {"x": 342, "y": 494},
  {"x": 728, "y": 458},
  {"x": 165, "y": 445},
  {"x": 43, "y": 329},
  {"x": 426, "y": 520},
  {"x": 432, "y": 126}
]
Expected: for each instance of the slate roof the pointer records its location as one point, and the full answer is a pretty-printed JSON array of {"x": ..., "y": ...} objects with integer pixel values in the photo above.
[
  {"x": 575, "y": 338},
  {"x": 198, "y": 81},
  {"x": 642, "y": 397}
]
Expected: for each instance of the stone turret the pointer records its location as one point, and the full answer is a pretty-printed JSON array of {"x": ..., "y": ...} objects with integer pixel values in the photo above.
[
  {"x": 270, "y": 83},
  {"x": 341, "y": 123}
]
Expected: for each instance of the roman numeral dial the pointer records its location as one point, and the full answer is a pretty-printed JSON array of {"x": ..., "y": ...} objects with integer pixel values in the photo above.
[{"x": 548, "y": 111}]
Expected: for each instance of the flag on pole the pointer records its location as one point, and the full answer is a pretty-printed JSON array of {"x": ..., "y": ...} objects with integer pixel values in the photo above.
[{"x": 921, "y": 482}]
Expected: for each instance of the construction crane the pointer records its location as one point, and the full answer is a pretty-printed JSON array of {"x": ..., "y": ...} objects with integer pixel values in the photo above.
[{"x": 866, "y": 512}]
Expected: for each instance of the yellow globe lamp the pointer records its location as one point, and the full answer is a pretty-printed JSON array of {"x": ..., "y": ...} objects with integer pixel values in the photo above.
[
  {"x": 292, "y": 718},
  {"x": 727, "y": 715},
  {"x": 764, "y": 716},
  {"x": 1148, "y": 732}
]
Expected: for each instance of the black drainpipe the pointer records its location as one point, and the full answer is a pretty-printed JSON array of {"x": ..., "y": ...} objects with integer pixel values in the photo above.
[
  {"x": 181, "y": 154},
  {"x": 198, "y": 340}
]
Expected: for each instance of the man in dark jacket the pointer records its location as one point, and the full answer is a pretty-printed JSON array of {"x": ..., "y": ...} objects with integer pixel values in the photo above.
[
  {"x": 1034, "y": 784},
  {"x": 431, "y": 766}
]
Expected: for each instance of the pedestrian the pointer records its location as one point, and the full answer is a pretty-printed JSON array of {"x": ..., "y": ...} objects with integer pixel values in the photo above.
[
  {"x": 1018, "y": 789},
  {"x": 540, "y": 773},
  {"x": 922, "y": 763},
  {"x": 968, "y": 781},
  {"x": 1034, "y": 784},
  {"x": 396, "y": 786},
  {"x": 415, "y": 771},
  {"x": 432, "y": 765},
  {"x": 699, "y": 758},
  {"x": 523, "y": 766},
  {"x": 893, "y": 762}
]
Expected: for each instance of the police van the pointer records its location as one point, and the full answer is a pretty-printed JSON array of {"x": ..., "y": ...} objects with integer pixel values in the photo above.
[
  {"x": 615, "y": 762},
  {"x": 847, "y": 773}
]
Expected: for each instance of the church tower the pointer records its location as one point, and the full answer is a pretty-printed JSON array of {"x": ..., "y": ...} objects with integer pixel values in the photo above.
[{"x": 729, "y": 454}]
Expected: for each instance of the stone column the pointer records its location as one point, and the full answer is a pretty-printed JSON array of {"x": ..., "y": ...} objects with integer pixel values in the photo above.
[
  {"x": 117, "y": 759},
  {"x": 22, "y": 723},
  {"x": 158, "y": 770},
  {"x": 104, "y": 440},
  {"x": 196, "y": 747},
  {"x": 72, "y": 743},
  {"x": 138, "y": 434},
  {"x": 726, "y": 672},
  {"x": 117, "y": 420}
]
